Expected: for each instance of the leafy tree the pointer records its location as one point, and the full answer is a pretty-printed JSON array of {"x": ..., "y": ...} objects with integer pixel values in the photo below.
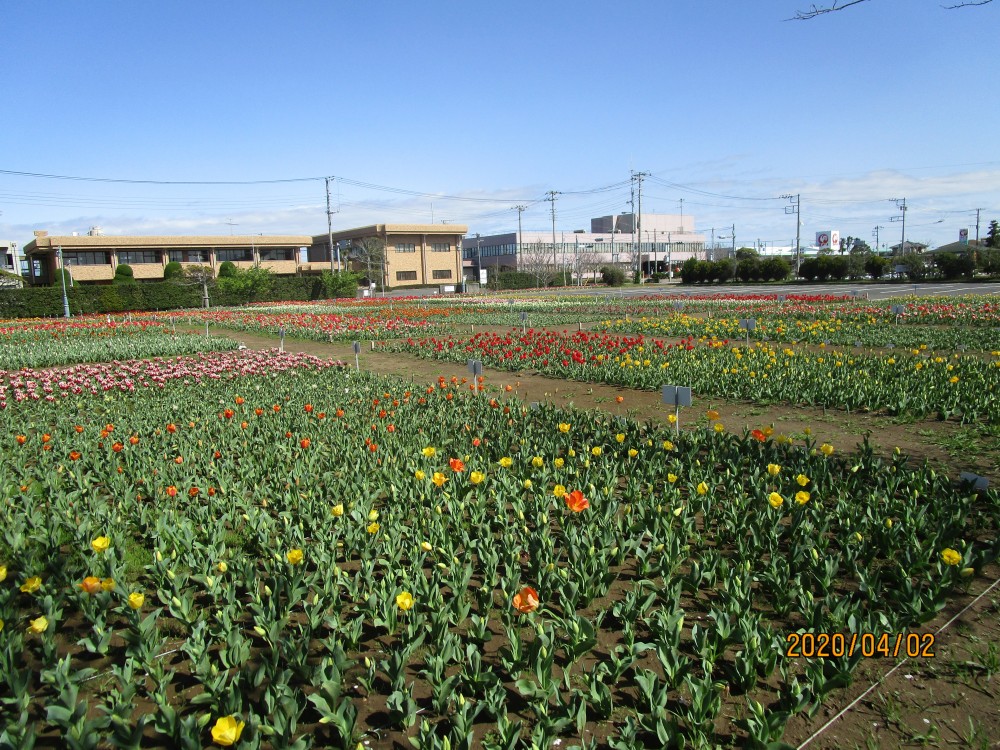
[
  {"x": 989, "y": 261},
  {"x": 775, "y": 269},
  {"x": 955, "y": 265},
  {"x": 748, "y": 269},
  {"x": 993, "y": 235},
  {"x": 227, "y": 269},
  {"x": 202, "y": 276},
  {"x": 249, "y": 283},
  {"x": 876, "y": 266},
  {"x": 746, "y": 253},
  {"x": 915, "y": 265},
  {"x": 722, "y": 270}
]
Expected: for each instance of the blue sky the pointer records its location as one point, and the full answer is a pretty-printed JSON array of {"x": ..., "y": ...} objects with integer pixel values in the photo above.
[{"x": 726, "y": 103}]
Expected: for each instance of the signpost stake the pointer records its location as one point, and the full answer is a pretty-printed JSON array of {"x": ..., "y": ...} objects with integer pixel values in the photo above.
[
  {"x": 357, "y": 352},
  {"x": 281, "y": 337}
]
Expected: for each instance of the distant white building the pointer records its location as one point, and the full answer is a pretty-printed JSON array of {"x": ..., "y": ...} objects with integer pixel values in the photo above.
[
  {"x": 666, "y": 241},
  {"x": 11, "y": 261}
]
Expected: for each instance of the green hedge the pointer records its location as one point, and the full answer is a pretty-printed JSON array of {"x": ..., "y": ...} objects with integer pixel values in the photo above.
[{"x": 43, "y": 302}]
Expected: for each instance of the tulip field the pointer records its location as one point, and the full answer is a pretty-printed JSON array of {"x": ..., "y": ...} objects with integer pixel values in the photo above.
[{"x": 259, "y": 549}]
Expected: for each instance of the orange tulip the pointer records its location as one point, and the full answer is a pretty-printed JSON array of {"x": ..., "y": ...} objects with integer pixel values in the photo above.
[
  {"x": 456, "y": 464},
  {"x": 91, "y": 585},
  {"x": 576, "y": 502},
  {"x": 526, "y": 600}
]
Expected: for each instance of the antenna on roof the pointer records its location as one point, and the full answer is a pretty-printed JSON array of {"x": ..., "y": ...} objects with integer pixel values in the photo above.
[{"x": 231, "y": 224}]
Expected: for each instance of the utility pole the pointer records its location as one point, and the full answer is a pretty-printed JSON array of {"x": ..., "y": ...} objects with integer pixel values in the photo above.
[
  {"x": 517, "y": 256},
  {"x": 798, "y": 227},
  {"x": 479, "y": 258},
  {"x": 901, "y": 205},
  {"x": 875, "y": 235},
  {"x": 637, "y": 176},
  {"x": 681, "y": 227},
  {"x": 977, "y": 225},
  {"x": 552, "y": 199},
  {"x": 670, "y": 257},
  {"x": 329, "y": 229},
  {"x": 711, "y": 254}
]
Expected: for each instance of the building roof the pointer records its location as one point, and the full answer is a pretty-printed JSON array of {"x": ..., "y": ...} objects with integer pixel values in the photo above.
[
  {"x": 957, "y": 247},
  {"x": 46, "y": 243},
  {"x": 375, "y": 230}
]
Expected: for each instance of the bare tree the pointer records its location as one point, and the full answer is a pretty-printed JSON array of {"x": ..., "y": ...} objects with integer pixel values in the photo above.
[
  {"x": 536, "y": 259},
  {"x": 370, "y": 253},
  {"x": 819, "y": 10},
  {"x": 200, "y": 275}
]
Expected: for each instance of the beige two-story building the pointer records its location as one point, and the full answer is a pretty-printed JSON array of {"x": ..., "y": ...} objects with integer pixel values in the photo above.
[
  {"x": 94, "y": 257},
  {"x": 414, "y": 254}
]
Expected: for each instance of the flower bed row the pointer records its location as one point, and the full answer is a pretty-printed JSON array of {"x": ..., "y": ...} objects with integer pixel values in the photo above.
[{"x": 293, "y": 553}]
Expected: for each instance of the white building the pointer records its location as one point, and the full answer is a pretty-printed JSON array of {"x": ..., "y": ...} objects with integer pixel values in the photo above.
[{"x": 666, "y": 241}]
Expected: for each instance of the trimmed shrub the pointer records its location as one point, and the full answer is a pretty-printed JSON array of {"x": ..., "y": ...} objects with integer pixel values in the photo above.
[
  {"x": 612, "y": 276},
  {"x": 173, "y": 270}
]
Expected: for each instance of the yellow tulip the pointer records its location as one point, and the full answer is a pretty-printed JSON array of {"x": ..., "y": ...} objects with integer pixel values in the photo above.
[
  {"x": 294, "y": 556},
  {"x": 39, "y": 625},
  {"x": 702, "y": 488},
  {"x": 559, "y": 490},
  {"x": 405, "y": 601},
  {"x": 476, "y": 477},
  {"x": 3, "y": 573},
  {"x": 419, "y": 475},
  {"x": 773, "y": 469},
  {"x": 100, "y": 544},
  {"x": 136, "y": 600},
  {"x": 775, "y": 500},
  {"x": 439, "y": 478},
  {"x": 802, "y": 497},
  {"x": 429, "y": 452},
  {"x": 227, "y": 731},
  {"x": 31, "y": 585},
  {"x": 337, "y": 510},
  {"x": 426, "y": 546},
  {"x": 506, "y": 462},
  {"x": 950, "y": 556},
  {"x": 372, "y": 528}
]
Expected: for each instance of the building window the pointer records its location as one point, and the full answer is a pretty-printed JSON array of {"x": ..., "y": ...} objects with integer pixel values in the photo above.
[
  {"x": 188, "y": 256},
  {"x": 442, "y": 274},
  {"x": 234, "y": 254},
  {"x": 133, "y": 257},
  {"x": 405, "y": 247},
  {"x": 406, "y": 275},
  {"x": 86, "y": 259},
  {"x": 277, "y": 253},
  {"x": 440, "y": 247}
]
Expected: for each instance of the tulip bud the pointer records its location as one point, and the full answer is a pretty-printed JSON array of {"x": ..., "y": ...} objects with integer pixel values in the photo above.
[
  {"x": 368, "y": 663},
  {"x": 214, "y": 670},
  {"x": 815, "y": 554},
  {"x": 542, "y": 652},
  {"x": 968, "y": 572},
  {"x": 461, "y": 700},
  {"x": 267, "y": 591},
  {"x": 209, "y": 581},
  {"x": 159, "y": 556},
  {"x": 170, "y": 574},
  {"x": 175, "y": 601},
  {"x": 658, "y": 548},
  {"x": 259, "y": 630},
  {"x": 544, "y": 518}
]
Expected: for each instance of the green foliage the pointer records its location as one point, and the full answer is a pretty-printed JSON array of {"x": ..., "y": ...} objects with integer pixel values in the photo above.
[
  {"x": 340, "y": 284},
  {"x": 824, "y": 267},
  {"x": 989, "y": 261},
  {"x": 722, "y": 270},
  {"x": 248, "y": 284},
  {"x": 746, "y": 253},
  {"x": 955, "y": 265},
  {"x": 775, "y": 269},
  {"x": 227, "y": 269},
  {"x": 748, "y": 268},
  {"x": 612, "y": 276},
  {"x": 123, "y": 274},
  {"x": 876, "y": 266},
  {"x": 173, "y": 270},
  {"x": 993, "y": 235},
  {"x": 514, "y": 280},
  {"x": 916, "y": 266}
]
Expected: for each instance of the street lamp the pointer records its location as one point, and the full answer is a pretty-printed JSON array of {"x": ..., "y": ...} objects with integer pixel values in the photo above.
[{"x": 62, "y": 273}]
